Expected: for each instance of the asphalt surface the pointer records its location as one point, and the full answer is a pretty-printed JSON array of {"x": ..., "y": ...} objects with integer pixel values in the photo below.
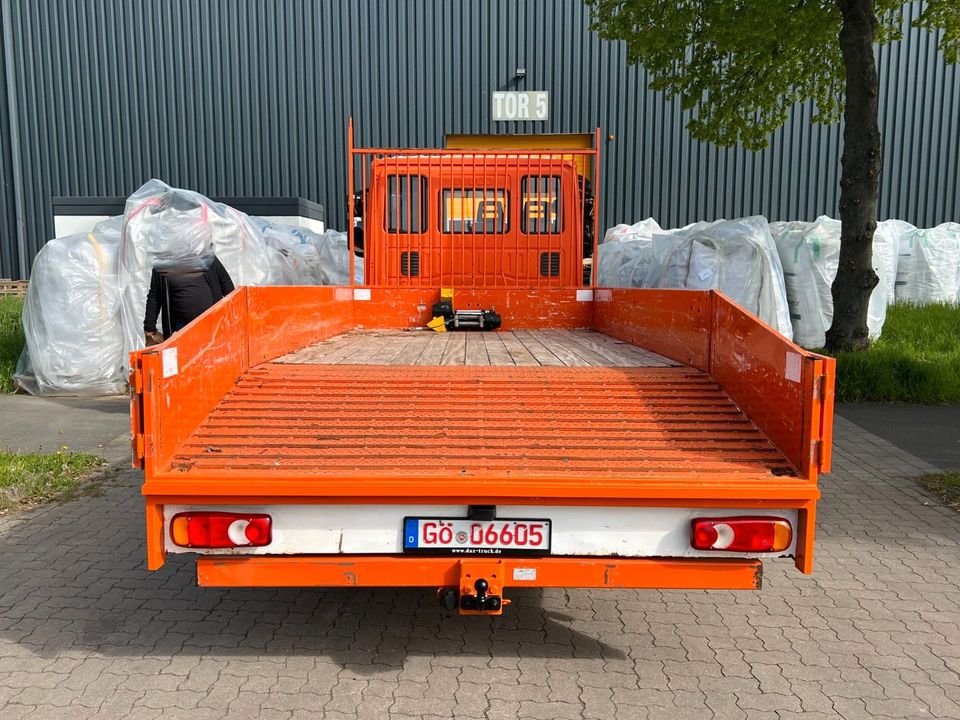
[
  {"x": 930, "y": 432},
  {"x": 95, "y": 425}
]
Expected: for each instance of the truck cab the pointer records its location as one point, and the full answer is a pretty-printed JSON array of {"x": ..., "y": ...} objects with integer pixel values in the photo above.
[{"x": 490, "y": 219}]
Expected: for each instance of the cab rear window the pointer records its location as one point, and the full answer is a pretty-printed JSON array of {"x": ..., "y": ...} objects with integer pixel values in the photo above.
[
  {"x": 475, "y": 210},
  {"x": 406, "y": 204},
  {"x": 540, "y": 211}
]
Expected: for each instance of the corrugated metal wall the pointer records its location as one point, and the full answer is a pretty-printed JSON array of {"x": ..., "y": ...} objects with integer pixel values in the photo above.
[
  {"x": 250, "y": 97},
  {"x": 8, "y": 230}
]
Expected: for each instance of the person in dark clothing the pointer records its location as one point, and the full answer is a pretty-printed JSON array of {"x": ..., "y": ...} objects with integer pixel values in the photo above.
[{"x": 183, "y": 292}]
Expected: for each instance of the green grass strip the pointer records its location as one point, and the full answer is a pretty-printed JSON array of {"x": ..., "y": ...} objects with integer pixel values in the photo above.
[
  {"x": 917, "y": 360},
  {"x": 11, "y": 340},
  {"x": 32, "y": 478},
  {"x": 946, "y": 486}
]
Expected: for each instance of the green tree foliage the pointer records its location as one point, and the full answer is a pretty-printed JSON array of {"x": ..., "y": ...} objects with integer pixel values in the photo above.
[
  {"x": 741, "y": 64},
  {"x": 944, "y": 15}
]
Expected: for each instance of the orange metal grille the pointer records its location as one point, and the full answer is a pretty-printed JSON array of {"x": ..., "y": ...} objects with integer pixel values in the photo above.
[{"x": 480, "y": 218}]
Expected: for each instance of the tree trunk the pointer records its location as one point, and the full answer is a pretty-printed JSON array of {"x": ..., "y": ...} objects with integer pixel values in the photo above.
[{"x": 859, "y": 180}]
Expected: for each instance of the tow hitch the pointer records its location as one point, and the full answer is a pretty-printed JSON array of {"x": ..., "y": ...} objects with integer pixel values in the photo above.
[{"x": 480, "y": 591}]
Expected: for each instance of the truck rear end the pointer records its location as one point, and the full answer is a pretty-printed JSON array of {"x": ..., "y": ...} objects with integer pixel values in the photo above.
[{"x": 315, "y": 436}]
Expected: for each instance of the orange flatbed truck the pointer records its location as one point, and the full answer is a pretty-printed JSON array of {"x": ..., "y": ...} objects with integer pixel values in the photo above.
[{"x": 620, "y": 438}]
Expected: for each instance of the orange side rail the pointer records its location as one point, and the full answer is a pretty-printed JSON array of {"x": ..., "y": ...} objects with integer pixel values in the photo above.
[
  {"x": 175, "y": 385},
  {"x": 785, "y": 390}
]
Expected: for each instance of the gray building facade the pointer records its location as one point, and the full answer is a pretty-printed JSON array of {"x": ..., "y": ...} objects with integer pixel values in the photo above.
[{"x": 251, "y": 98}]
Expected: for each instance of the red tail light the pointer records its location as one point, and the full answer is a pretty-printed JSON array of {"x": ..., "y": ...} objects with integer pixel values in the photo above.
[
  {"x": 744, "y": 534},
  {"x": 221, "y": 530}
]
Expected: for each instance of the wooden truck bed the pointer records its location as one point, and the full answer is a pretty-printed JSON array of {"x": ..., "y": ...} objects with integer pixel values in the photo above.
[
  {"x": 674, "y": 398},
  {"x": 522, "y": 348}
]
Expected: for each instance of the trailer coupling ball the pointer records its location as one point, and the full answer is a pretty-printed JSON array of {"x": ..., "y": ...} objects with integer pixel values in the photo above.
[
  {"x": 481, "y": 603},
  {"x": 480, "y": 591}
]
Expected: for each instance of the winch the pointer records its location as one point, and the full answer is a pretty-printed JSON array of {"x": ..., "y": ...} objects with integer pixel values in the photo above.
[{"x": 445, "y": 317}]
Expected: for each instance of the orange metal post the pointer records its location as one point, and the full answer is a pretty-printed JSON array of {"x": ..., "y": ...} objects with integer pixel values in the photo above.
[
  {"x": 596, "y": 211},
  {"x": 156, "y": 550},
  {"x": 350, "y": 202},
  {"x": 806, "y": 523},
  {"x": 136, "y": 412},
  {"x": 826, "y": 409}
]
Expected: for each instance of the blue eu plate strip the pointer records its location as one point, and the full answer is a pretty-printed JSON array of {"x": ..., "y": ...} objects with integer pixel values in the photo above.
[{"x": 411, "y": 533}]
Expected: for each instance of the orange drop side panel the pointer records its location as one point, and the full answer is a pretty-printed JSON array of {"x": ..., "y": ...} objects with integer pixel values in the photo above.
[{"x": 675, "y": 323}]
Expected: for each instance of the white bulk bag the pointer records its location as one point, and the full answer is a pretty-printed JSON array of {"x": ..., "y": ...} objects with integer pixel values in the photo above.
[
  {"x": 333, "y": 248},
  {"x": 928, "y": 265},
  {"x": 625, "y": 253},
  {"x": 295, "y": 260},
  {"x": 693, "y": 266},
  {"x": 886, "y": 243},
  {"x": 169, "y": 225},
  {"x": 803, "y": 298},
  {"x": 818, "y": 244},
  {"x": 615, "y": 234},
  {"x": 824, "y": 239},
  {"x": 737, "y": 257},
  {"x": 884, "y": 264},
  {"x": 71, "y": 317}
]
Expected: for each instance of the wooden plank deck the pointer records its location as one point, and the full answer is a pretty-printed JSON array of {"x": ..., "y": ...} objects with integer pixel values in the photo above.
[{"x": 547, "y": 348}]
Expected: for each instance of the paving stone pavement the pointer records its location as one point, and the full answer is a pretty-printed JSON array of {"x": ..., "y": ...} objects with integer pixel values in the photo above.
[{"x": 86, "y": 632}]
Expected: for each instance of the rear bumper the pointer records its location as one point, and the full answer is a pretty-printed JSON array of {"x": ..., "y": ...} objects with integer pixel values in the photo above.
[{"x": 410, "y": 571}]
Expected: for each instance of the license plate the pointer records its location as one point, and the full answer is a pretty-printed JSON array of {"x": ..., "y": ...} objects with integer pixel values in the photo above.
[{"x": 476, "y": 537}]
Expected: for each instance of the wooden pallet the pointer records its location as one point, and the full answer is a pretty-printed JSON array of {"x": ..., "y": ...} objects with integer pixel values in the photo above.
[{"x": 12, "y": 288}]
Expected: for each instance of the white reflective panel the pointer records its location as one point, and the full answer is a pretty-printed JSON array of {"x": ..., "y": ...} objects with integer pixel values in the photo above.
[{"x": 378, "y": 529}]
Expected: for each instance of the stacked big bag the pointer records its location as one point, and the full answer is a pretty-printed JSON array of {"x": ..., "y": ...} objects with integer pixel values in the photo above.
[
  {"x": 783, "y": 271},
  {"x": 84, "y": 309},
  {"x": 71, "y": 317},
  {"x": 928, "y": 265},
  {"x": 914, "y": 265},
  {"x": 737, "y": 257}
]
